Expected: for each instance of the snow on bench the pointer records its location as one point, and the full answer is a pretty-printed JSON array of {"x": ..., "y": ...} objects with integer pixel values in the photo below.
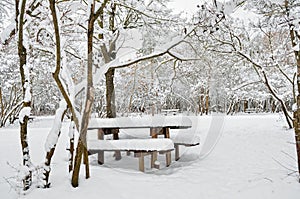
[
  {"x": 185, "y": 138},
  {"x": 172, "y": 122},
  {"x": 140, "y": 147},
  {"x": 132, "y": 145}
]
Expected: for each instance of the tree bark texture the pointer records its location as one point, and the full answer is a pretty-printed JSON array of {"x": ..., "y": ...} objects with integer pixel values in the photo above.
[
  {"x": 109, "y": 76},
  {"x": 110, "y": 94},
  {"x": 56, "y": 76},
  {"x": 81, "y": 149},
  {"x": 71, "y": 148},
  {"x": 23, "y": 124},
  {"x": 296, "y": 121},
  {"x": 56, "y": 73},
  {"x": 1, "y": 107}
]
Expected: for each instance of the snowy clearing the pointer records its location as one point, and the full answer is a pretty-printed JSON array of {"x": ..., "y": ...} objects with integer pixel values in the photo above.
[{"x": 254, "y": 158}]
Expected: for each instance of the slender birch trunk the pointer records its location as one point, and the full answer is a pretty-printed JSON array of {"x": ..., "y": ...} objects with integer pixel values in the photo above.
[
  {"x": 296, "y": 122},
  {"x": 61, "y": 112},
  {"x": 81, "y": 149},
  {"x": 25, "y": 82}
]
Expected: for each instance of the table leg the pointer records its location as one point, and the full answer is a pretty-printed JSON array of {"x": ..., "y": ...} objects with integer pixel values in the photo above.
[
  {"x": 101, "y": 153},
  {"x": 168, "y": 154},
  {"x": 101, "y": 157},
  {"x": 154, "y": 133},
  {"x": 141, "y": 162},
  {"x": 177, "y": 152},
  {"x": 168, "y": 158},
  {"x": 154, "y": 159}
]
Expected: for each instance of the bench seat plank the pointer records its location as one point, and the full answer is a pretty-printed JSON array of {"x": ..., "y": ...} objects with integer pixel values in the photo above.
[
  {"x": 187, "y": 138},
  {"x": 140, "y": 147}
]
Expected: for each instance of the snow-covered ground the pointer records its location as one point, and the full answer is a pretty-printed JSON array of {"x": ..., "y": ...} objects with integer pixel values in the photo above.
[{"x": 254, "y": 158}]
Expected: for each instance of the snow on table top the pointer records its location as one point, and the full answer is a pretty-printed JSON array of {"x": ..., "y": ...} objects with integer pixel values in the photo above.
[
  {"x": 132, "y": 144},
  {"x": 141, "y": 122}
]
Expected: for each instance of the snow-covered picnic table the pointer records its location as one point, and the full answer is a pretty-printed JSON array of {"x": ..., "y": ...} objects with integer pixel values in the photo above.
[
  {"x": 173, "y": 122},
  {"x": 170, "y": 111},
  {"x": 158, "y": 125}
]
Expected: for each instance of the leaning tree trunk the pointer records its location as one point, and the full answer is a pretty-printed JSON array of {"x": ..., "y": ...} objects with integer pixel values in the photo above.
[
  {"x": 61, "y": 111},
  {"x": 81, "y": 149},
  {"x": 24, "y": 114},
  {"x": 283, "y": 106}
]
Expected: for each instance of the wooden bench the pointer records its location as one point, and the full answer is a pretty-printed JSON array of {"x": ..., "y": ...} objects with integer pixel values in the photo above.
[
  {"x": 250, "y": 110},
  {"x": 170, "y": 111},
  {"x": 140, "y": 147},
  {"x": 187, "y": 138}
]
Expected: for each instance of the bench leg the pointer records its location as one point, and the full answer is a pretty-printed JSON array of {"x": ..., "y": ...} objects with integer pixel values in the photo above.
[
  {"x": 168, "y": 158},
  {"x": 153, "y": 160},
  {"x": 101, "y": 157},
  {"x": 141, "y": 162},
  {"x": 117, "y": 153},
  {"x": 177, "y": 152}
]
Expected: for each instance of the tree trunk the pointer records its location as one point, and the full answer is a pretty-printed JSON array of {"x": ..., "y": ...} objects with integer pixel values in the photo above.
[
  {"x": 26, "y": 104},
  {"x": 206, "y": 104},
  {"x": 56, "y": 76},
  {"x": 71, "y": 144},
  {"x": 297, "y": 112},
  {"x": 81, "y": 149},
  {"x": 283, "y": 106},
  {"x": 296, "y": 121},
  {"x": 1, "y": 108},
  {"x": 297, "y": 115},
  {"x": 110, "y": 94}
]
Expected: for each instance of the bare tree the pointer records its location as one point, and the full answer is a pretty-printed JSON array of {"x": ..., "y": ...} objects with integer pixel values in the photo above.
[
  {"x": 295, "y": 41},
  {"x": 25, "y": 82},
  {"x": 81, "y": 149},
  {"x": 55, "y": 131}
]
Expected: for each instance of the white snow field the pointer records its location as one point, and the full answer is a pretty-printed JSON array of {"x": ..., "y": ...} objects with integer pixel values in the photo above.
[{"x": 254, "y": 158}]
